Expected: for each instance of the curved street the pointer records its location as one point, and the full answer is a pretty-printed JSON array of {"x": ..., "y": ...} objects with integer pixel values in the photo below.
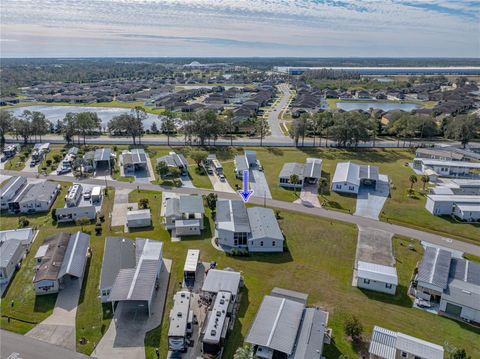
[{"x": 288, "y": 206}]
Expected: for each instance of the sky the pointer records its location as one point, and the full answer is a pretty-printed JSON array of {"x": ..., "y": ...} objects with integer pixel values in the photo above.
[{"x": 220, "y": 28}]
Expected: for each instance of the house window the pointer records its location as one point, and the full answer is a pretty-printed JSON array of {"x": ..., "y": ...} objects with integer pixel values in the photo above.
[
  {"x": 350, "y": 188},
  {"x": 261, "y": 243},
  {"x": 338, "y": 186},
  {"x": 241, "y": 238},
  {"x": 366, "y": 281},
  {"x": 273, "y": 243},
  {"x": 404, "y": 354},
  {"x": 388, "y": 285}
]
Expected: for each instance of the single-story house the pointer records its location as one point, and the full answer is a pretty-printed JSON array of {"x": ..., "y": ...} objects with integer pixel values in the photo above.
[
  {"x": 285, "y": 327},
  {"x": 245, "y": 162},
  {"x": 175, "y": 160},
  {"x": 66, "y": 255},
  {"x": 387, "y": 344},
  {"x": 452, "y": 283},
  {"x": 377, "y": 277},
  {"x": 24, "y": 235},
  {"x": 78, "y": 206},
  {"x": 446, "y": 168},
  {"x": 103, "y": 159},
  {"x": 438, "y": 154},
  {"x": 39, "y": 150},
  {"x": 307, "y": 173},
  {"x": 464, "y": 207},
  {"x": 137, "y": 284},
  {"x": 38, "y": 197},
  {"x": 11, "y": 254},
  {"x": 134, "y": 160},
  {"x": 350, "y": 176},
  {"x": 184, "y": 215},
  {"x": 139, "y": 218},
  {"x": 10, "y": 189},
  {"x": 119, "y": 253},
  {"x": 254, "y": 229}
]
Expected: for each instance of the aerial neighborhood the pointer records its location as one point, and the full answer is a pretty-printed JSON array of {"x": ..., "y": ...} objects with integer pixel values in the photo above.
[{"x": 221, "y": 208}]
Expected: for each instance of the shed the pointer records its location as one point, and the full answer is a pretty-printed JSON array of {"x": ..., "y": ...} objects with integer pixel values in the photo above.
[
  {"x": 139, "y": 218},
  {"x": 377, "y": 277}
]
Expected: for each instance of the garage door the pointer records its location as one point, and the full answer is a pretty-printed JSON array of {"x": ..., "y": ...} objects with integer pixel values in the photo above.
[{"x": 453, "y": 309}]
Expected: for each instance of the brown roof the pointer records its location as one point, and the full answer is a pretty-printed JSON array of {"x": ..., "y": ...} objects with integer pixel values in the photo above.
[{"x": 52, "y": 261}]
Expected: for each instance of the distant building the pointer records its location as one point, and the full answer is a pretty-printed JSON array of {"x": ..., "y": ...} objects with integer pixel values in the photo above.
[
  {"x": 66, "y": 254},
  {"x": 285, "y": 327},
  {"x": 254, "y": 229},
  {"x": 38, "y": 197},
  {"x": 387, "y": 344},
  {"x": 438, "y": 154}
]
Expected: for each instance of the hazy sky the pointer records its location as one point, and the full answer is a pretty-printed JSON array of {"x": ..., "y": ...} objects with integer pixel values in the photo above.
[{"x": 391, "y": 28}]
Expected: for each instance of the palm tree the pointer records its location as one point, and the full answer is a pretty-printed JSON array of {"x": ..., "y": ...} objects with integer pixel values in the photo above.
[
  {"x": 322, "y": 184},
  {"x": 245, "y": 352},
  {"x": 425, "y": 179},
  {"x": 294, "y": 180},
  {"x": 413, "y": 179}
]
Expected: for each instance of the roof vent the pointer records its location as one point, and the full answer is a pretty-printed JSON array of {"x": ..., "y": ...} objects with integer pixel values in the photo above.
[
  {"x": 213, "y": 332},
  {"x": 218, "y": 314}
]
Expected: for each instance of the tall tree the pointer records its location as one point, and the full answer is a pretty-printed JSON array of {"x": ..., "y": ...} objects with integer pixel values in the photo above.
[
  {"x": 300, "y": 128},
  {"x": 350, "y": 128},
  {"x": 261, "y": 128},
  {"x": 462, "y": 128},
  {"x": 140, "y": 115},
  {"x": 128, "y": 125},
  {"x": 68, "y": 127},
  {"x": 425, "y": 179},
  {"x": 22, "y": 128},
  {"x": 168, "y": 124},
  {"x": 198, "y": 156},
  {"x": 86, "y": 122},
  {"x": 39, "y": 123},
  {"x": 412, "y": 179},
  {"x": 229, "y": 125},
  {"x": 6, "y": 124},
  {"x": 294, "y": 180}
]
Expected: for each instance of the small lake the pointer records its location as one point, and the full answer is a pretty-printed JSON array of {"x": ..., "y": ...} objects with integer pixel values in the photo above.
[
  {"x": 384, "y": 106},
  {"x": 54, "y": 113}
]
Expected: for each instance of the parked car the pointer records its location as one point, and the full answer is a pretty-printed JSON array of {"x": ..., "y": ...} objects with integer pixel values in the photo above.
[
  {"x": 87, "y": 194},
  {"x": 222, "y": 178},
  {"x": 423, "y": 303}
]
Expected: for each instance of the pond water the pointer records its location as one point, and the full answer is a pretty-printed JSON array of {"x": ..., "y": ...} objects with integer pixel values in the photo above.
[
  {"x": 54, "y": 113},
  {"x": 384, "y": 106}
]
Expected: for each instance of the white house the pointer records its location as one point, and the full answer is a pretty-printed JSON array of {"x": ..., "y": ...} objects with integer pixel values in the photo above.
[
  {"x": 175, "y": 160},
  {"x": 10, "y": 189},
  {"x": 66, "y": 254},
  {"x": 139, "y": 218},
  {"x": 11, "y": 254},
  {"x": 254, "y": 229},
  {"x": 33, "y": 198},
  {"x": 245, "y": 162},
  {"x": 466, "y": 207},
  {"x": 459, "y": 169},
  {"x": 451, "y": 283},
  {"x": 307, "y": 173},
  {"x": 387, "y": 344},
  {"x": 350, "y": 176},
  {"x": 377, "y": 277},
  {"x": 184, "y": 215},
  {"x": 78, "y": 205}
]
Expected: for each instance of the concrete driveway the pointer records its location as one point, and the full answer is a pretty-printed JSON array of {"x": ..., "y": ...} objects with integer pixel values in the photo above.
[
  {"x": 59, "y": 328},
  {"x": 186, "y": 181},
  {"x": 29, "y": 169},
  {"x": 309, "y": 196},
  {"x": 125, "y": 336},
  {"x": 221, "y": 186},
  {"x": 370, "y": 201},
  {"x": 259, "y": 184},
  {"x": 120, "y": 207}
]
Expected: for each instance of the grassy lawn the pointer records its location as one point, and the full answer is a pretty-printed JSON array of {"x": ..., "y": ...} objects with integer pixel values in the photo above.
[
  {"x": 54, "y": 150},
  {"x": 319, "y": 262}
]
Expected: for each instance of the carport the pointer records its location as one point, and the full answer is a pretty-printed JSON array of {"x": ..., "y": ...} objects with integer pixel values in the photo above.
[{"x": 368, "y": 176}]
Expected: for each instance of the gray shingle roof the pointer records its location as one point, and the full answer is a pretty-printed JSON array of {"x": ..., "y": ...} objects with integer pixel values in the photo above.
[
  {"x": 291, "y": 168},
  {"x": 40, "y": 192},
  {"x": 309, "y": 344},
  {"x": 12, "y": 186},
  {"x": 50, "y": 265},
  {"x": 172, "y": 207},
  {"x": 119, "y": 254},
  {"x": 241, "y": 163},
  {"x": 434, "y": 267},
  {"x": 263, "y": 223}
]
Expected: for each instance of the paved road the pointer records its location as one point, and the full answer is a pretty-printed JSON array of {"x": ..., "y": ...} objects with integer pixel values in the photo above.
[
  {"x": 269, "y": 141},
  {"x": 320, "y": 212},
  {"x": 16, "y": 346},
  {"x": 274, "y": 113}
]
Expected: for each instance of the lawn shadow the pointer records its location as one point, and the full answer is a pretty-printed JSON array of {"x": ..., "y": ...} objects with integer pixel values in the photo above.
[
  {"x": 401, "y": 297},
  {"x": 331, "y": 350},
  {"x": 274, "y": 258},
  {"x": 44, "y": 303}
]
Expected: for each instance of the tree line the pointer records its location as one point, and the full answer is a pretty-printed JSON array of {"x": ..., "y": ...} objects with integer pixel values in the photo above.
[{"x": 348, "y": 129}]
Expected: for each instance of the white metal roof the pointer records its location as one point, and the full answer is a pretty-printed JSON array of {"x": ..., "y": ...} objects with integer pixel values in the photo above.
[
  {"x": 138, "y": 214},
  {"x": 418, "y": 347},
  {"x": 75, "y": 256},
  {"x": 221, "y": 280},
  {"x": 382, "y": 343},
  {"x": 192, "y": 260},
  {"x": 454, "y": 198},
  {"x": 377, "y": 272},
  {"x": 432, "y": 162},
  {"x": 179, "y": 314},
  {"x": 41, "y": 251}
]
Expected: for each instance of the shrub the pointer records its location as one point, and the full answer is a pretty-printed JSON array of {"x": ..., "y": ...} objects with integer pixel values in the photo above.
[
  {"x": 23, "y": 222},
  {"x": 98, "y": 228},
  {"x": 48, "y": 162},
  {"x": 353, "y": 328},
  {"x": 101, "y": 217},
  {"x": 143, "y": 203}
]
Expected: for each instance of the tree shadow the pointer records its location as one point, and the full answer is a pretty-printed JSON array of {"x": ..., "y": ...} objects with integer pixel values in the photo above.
[{"x": 44, "y": 303}]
